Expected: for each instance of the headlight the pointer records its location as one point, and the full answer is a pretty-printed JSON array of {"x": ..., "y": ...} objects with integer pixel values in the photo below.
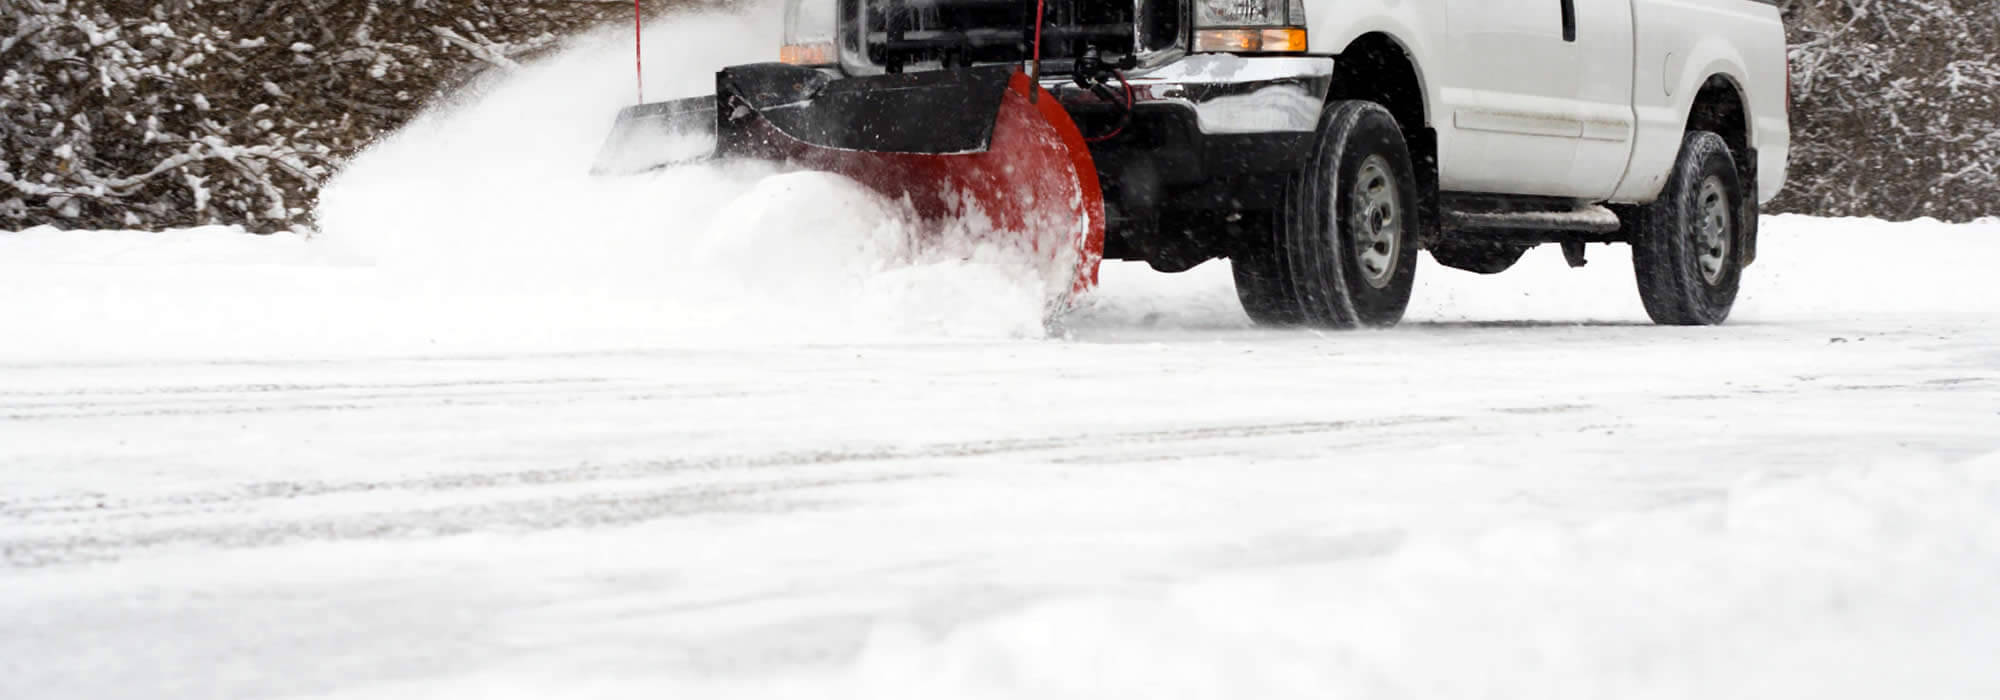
[
  {"x": 810, "y": 28},
  {"x": 1251, "y": 26},
  {"x": 1241, "y": 13}
]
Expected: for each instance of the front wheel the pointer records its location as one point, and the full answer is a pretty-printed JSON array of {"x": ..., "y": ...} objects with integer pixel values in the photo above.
[
  {"x": 1350, "y": 222},
  {"x": 1688, "y": 249},
  {"x": 1264, "y": 283}
]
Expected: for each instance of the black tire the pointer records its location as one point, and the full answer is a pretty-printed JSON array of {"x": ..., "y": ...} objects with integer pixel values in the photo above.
[
  {"x": 1264, "y": 281},
  {"x": 1688, "y": 249},
  {"x": 1350, "y": 227},
  {"x": 1478, "y": 256}
]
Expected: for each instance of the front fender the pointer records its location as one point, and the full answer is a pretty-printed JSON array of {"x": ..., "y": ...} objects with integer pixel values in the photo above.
[{"x": 1333, "y": 27}]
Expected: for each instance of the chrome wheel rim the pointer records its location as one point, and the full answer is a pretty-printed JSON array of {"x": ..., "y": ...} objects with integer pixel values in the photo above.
[
  {"x": 1712, "y": 230},
  {"x": 1376, "y": 222}
]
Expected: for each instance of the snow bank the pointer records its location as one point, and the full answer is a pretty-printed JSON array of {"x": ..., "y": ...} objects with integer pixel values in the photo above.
[
  {"x": 828, "y": 266},
  {"x": 1808, "y": 270},
  {"x": 1822, "y": 267},
  {"x": 207, "y": 245}
]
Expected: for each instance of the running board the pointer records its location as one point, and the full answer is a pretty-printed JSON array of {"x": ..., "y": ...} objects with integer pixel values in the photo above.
[{"x": 1590, "y": 218}]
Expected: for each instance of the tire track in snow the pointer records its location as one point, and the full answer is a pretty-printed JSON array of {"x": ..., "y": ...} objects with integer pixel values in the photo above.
[
  {"x": 721, "y": 463},
  {"x": 279, "y": 401},
  {"x": 593, "y": 510},
  {"x": 295, "y": 387},
  {"x": 256, "y": 518}
]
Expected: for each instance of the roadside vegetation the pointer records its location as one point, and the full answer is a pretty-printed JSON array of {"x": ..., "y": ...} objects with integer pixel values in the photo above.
[{"x": 134, "y": 114}]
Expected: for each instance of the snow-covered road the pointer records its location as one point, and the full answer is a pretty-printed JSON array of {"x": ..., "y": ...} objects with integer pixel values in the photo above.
[{"x": 1525, "y": 491}]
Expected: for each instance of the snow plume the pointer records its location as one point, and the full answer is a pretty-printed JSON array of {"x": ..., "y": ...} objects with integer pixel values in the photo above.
[{"x": 488, "y": 198}]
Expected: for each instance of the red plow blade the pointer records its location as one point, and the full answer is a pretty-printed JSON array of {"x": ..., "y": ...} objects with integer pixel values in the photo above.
[
  {"x": 1035, "y": 183},
  {"x": 982, "y": 151}
]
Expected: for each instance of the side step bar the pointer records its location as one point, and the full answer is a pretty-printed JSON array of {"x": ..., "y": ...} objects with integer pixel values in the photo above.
[
  {"x": 1594, "y": 218},
  {"x": 1529, "y": 220}
]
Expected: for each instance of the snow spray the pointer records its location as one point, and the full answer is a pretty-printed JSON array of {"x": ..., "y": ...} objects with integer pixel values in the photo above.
[{"x": 487, "y": 199}]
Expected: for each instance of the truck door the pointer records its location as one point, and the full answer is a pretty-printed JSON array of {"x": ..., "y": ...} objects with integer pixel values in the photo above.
[
  {"x": 1512, "y": 124},
  {"x": 1603, "y": 100}
]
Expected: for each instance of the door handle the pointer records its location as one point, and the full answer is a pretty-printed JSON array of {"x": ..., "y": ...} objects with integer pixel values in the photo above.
[{"x": 1569, "y": 20}]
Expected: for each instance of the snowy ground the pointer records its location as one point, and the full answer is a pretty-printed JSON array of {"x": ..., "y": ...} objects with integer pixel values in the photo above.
[
  {"x": 1523, "y": 492},
  {"x": 503, "y": 430}
]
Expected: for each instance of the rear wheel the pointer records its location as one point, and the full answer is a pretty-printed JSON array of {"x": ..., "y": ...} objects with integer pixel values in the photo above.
[
  {"x": 1688, "y": 249},
  {"x": 1346, "y": 245}
]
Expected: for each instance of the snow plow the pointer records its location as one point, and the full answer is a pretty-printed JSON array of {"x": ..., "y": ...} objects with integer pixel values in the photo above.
[
  {"x": 1064, "y": 129},
  {"x": 981, "y": 145}
]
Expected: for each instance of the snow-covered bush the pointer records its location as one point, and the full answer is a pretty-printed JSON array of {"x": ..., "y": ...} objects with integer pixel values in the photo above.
[
  {"x": 137, "y": 114},
  {"x": 1897, "y": 110}
]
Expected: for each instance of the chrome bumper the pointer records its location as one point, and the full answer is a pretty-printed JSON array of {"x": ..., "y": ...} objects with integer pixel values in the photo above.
[{"x": 1227, "y": 94}]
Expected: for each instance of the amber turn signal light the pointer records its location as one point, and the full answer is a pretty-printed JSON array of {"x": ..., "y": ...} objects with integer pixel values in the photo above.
[
  {"x": 1286, "y": 40},
  {"x": 816, "y": 54}
]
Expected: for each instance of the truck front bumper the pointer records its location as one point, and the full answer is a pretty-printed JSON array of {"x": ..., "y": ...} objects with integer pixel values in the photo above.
[
  {"x": 1224, "y": 93},
  {"x": 1206, "y": 132}
]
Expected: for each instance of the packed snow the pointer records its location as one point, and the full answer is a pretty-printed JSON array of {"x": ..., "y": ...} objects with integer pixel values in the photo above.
[{"x": 501, "y": 429}]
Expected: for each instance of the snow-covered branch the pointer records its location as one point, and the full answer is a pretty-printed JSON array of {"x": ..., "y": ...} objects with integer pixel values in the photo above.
[
  {"x": 155, "y": 115},
  {"x": 1895, "y": 102}
]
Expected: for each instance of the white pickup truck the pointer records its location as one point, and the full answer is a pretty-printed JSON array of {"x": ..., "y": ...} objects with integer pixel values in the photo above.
[
  {"x": 1475, "y": 129},
  {"x": 1319, "y": 144},
  {"x": 1479, "y": 128}
]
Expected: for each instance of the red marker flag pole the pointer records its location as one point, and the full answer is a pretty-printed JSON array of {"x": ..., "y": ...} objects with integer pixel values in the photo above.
[{"x": 639, "y": 48}]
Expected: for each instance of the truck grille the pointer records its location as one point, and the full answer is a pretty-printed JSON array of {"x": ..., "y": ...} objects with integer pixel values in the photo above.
[{"x": 897, "y": 35}]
